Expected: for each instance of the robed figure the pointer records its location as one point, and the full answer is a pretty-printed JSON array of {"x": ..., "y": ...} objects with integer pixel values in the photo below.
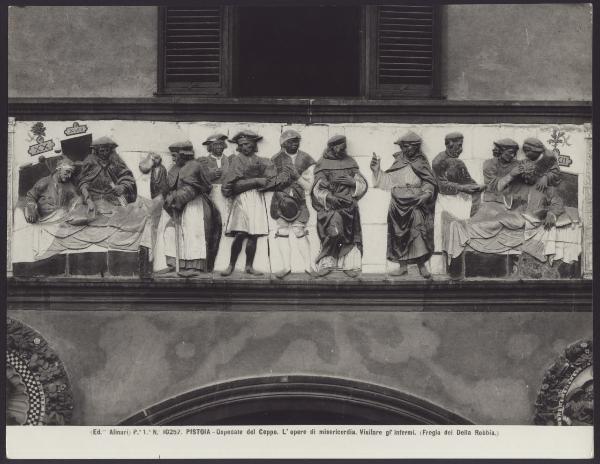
[
  {"x": 338, "y": 186},
  {"x": 412, "y": 205},
  {"x": 193, "y": 224}
]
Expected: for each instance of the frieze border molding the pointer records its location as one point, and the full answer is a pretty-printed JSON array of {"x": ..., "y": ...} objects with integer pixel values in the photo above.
[
  {"x": 302, "y": 111},
  {"x": 206, "y": 294}
]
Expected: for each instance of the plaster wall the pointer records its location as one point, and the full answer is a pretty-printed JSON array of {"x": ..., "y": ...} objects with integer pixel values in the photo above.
[
  {"x": 137, "y": 138},
  {"x": 485, "y": 367},
  {"x": 489, "y": 52},
  {"x": 518, "y": 51},
  {"x": 82, "y": 51}
]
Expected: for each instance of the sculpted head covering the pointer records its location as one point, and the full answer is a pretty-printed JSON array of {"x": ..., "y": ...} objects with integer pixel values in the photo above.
[
  {"x": 336, "y": 140},
  {"x": 534, "y": 144},
  {"x": 184, "y": 148},
  {"x": 289, "y": 135},
  {"x": 104, "y": 141},
  {"x": 506, "y": 143},
  {"x": 454, "y": 136},
  {"x": 409, "y": 137},
  {"x": 244, "y": 136},
  {"x": 214, "y": 138}
]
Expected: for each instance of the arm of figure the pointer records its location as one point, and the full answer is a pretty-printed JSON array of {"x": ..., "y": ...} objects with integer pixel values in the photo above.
[
  {"x": 31, "y": 208},
  {"x": 181, "y": 197},
  {"x": 446, "y": 187},
  {"x": 307, "y": 178},
  {"x": 383, "y": 180},
  {"x": 320, "y": 194},
  {"x": 504, "y": 181}
]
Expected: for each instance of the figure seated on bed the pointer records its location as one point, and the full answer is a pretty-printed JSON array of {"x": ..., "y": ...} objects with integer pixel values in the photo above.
[
  {"x": 103, "y": 214},
  {"x": 521, "y": 211}
]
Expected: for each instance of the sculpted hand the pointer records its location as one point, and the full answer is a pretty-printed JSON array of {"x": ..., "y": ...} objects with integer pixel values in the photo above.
[
  {"x": 119, "y": 190},
  {"x": 375, "y": 164},
  {"x": 346, "y": 180},
  {"x": 30, "y": 216},
  {"x": 550, "y": 221},
  {"x": 542, "y": 184},
  {"x": 91, "y": 206},
  {"x": 423, "y": 198},
  {"x": 514, "y": 172}
]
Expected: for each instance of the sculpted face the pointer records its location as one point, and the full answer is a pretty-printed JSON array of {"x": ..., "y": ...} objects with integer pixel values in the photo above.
[
  {"x": 454, "y": 147},
  {"x": 103, "y": 151},
  {"x": 530, "y": 153},
  {"x": 178, "y": 158},
  {"x": 339, "y": 148},
  {"x": 246, "y": 147},
  {"x": 410, "y": 149},
  {"x": 291, "y": 146},
  {"x": 507, "y": 155},
  {"x": 216, "y": 148},
  {"x": 65, "y": 172}
]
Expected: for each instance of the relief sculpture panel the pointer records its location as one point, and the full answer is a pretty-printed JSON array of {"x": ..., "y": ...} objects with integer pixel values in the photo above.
[{"x": 161, "y": 199}]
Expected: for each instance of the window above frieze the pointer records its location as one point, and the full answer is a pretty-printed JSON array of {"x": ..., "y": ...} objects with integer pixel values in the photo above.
[
  {"x": 332, "y": 202},
  {"x": 353, "y": 51}
]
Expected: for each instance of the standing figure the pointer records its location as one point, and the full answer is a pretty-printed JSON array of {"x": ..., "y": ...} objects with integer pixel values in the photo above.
[
  {"x": 193, "y": 229},
  {"x": 216, "y": 162},
  {"x": 542, "y": 162},
  {"x": 52, "y": 194},
  {"x": 105, "y": 177},
  {"x": 410, "y": 216},
  {"x": 338, "y": 186},
  {"x": 288, "y": 205},
  {"x": 247, "y": 219}
]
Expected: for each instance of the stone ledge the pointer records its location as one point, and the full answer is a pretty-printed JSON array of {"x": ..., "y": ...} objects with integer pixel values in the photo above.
[{"x": 254, "y": 294}]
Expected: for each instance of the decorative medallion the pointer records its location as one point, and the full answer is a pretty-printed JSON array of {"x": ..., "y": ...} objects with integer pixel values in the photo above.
[
  {"x": 560, "y": 138},
  {"x": 42, "y": 146},
  {"x": 38, "y": 391},
  {"x": 567, "y": 393},
  {"x": 75, "y": 129}
]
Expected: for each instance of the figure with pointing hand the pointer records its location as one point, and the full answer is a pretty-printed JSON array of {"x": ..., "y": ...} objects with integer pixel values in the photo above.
[{"x": 413, "y": 189}]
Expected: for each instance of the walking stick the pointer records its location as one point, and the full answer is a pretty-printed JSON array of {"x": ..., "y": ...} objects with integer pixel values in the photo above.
[{"x": 176, "y": 219}]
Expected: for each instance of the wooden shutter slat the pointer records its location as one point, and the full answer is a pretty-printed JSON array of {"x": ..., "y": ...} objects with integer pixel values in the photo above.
[
  {"x": 404, "y": 44},
  {"x": 193, "y": 46}
]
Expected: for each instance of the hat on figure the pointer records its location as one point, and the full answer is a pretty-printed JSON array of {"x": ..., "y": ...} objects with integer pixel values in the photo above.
[
  {"x": 534, "y": 144},
  {"x": 409, "y": 137},
  {"x": 289, "y": 135},
  {"x": 336, "y": 140},
  {"x": 104, "y": 141},
  {"x": 214, "y": 138},
  {"x": 245, "y": 136},
  {"x": 184, "y": 148},
  {"x": 454, "y": 136},
  {"x": 506, "y": 143}
]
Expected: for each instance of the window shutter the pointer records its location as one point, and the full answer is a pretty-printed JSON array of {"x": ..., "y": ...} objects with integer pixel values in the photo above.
[
  {"x": 403, "y": 50},
  {"x": 195, "y": 48}
]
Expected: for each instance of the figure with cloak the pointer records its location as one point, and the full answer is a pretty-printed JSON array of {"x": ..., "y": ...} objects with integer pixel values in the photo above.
[
  {"x": 338, "y": 186},
  {"x": 191, "y": 223},
  {"x": 413, "y": 189}
]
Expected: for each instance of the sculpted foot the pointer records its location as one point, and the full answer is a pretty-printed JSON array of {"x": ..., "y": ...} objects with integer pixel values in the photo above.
[
  {"x": 250, "y": 270},
  {"x": 424, "y": 271},
  {"x": 352, "y": 273},
  {"x": 188, "y": 273},
  {"x": 402, "y": 270},
  {"x": 312, "y": 273},
  {"x": 282, "y": 274},
  {"x": 227, "y": 272},
  {"x": 324, "y": 272}
]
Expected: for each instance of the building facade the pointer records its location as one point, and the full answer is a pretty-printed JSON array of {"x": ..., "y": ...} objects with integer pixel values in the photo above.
[{"x": 510, "y": 293}]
